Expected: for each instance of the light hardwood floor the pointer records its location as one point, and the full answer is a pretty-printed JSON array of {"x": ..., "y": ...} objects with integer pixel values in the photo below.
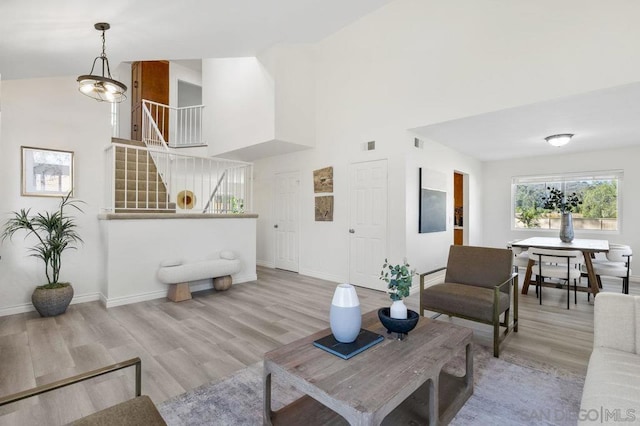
[{"x": 187, "y": 344}]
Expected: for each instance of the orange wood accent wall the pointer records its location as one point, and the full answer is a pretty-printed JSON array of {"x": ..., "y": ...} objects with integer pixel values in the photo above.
[
  {"x": 458, "y": 201},
  {"x": 458, "y": 237},
  {"x": 150, "y": 81}
]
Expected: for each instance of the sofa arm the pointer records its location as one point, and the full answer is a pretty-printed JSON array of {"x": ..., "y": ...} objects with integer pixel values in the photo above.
[{"x": 614, "y": 322}]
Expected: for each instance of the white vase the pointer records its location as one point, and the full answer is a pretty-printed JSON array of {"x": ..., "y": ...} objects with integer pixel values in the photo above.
[
  {"x": 398, "y": 310},
  {"x": 345, "y": 316}
]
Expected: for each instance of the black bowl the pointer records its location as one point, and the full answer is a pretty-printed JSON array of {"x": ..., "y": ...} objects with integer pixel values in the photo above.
[{"x": 394, "y": 325}]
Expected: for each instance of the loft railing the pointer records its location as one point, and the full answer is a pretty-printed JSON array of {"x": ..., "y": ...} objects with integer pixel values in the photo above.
[
  {"x": 164, "y": 126},
  {"x": 141, "y": 179}
]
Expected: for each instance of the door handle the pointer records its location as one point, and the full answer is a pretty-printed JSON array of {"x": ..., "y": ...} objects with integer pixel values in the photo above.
[
  {"x": 352, "y": 231},
  {"x": 275, "y": 226}
]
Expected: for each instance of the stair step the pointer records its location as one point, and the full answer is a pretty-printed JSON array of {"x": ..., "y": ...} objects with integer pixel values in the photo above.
[
  {"x": 141, "y": 196},
  {"x": 140, "y": 185},
  {"x": 144, "y": 206},
  {"x": 133, "y": 155},
  {"x": 169, "y": 210},
  {"x": 141, "y": 175},
  {"x": 127, "y": 142},
  {"x": 139, "y": 166}
]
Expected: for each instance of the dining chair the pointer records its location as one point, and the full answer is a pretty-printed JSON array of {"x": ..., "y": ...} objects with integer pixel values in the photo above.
[
  {"x": 520, "y": 256},
  {"x": 617, "y": 264},
  {"x": 558, "y": 264}
]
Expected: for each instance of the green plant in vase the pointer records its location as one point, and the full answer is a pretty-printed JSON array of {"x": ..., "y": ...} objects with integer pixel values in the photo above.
[
  {"x": 54, "y": 232},
  {"x": 558, "y": 201},
  {"x": 399, "y": 279}
]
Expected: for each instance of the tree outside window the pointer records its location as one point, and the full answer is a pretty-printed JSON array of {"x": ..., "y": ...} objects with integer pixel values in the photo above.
[{"x": 598, "y": 192}]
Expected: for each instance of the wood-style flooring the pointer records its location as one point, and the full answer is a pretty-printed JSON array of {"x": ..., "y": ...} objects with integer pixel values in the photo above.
[{"x": 187, "y": 344}]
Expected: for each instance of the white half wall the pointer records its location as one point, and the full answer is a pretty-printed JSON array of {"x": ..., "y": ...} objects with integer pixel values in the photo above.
[{"x": 135, "y": 248}]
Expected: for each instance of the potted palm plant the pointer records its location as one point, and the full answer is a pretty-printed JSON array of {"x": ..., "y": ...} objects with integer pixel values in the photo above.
[{"x": 54, "y": 232}]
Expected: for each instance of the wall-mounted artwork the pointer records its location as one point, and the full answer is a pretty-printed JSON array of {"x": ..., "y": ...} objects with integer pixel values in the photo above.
[
  {"x": 186, "y": 199},
  {"x": 46, "y": 172},
  {"x": 323, "y": 180},
  {"x": 324, "y": 208},
  {"x": 433, "y": 202}
]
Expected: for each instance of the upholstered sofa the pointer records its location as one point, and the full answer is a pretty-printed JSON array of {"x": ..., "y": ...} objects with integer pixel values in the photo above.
[{"x": 612, "y": 387}]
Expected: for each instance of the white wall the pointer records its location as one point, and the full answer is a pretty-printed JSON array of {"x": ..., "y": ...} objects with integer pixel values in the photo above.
[
  {"x": 497, "y": 190},
  {"x": 294, "y": 75},
  {"x": 180, "y": 72},
  {"x": 429, "y": 251},
  {"x": 122, "y": 73},
  {"x": 418, "y": 62},
  {"x": 51, "y": 113},
  {"x": 135, "y": 249},
  {"x": 239, "y": 98}
]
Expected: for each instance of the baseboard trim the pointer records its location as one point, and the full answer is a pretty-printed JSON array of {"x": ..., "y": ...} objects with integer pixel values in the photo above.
[
  {"x": 127, "y": 300},
  {"x": 158, "y": 294},
  {"x": 16, "y": 309},
  {"x": 266, "y": 263},
  {"x": 28, "y": 307},
  {"x": 322, "y": 276}
]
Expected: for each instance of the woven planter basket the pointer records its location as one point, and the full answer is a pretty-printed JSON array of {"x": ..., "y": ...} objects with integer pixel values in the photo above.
[{"x": 52, "y": 302}]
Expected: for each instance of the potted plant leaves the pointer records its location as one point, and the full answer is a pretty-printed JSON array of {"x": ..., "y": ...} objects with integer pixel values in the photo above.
[
  {"x": 53, "y": 233},
  {"x": 398, "y": 278},
  {"x": 564, "y": 204}
]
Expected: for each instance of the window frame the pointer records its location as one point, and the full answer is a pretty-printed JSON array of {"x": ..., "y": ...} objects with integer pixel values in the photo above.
[{"x": 617, "y": 175}]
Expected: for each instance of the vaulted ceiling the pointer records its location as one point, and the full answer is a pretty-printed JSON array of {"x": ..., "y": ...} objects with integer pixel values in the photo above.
[{"x": 43, "y": 38}]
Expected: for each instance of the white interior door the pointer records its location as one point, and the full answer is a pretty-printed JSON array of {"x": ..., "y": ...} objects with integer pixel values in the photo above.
[
  {"x": 367, "y": 223},
  {"x": 287, "y": 220}
]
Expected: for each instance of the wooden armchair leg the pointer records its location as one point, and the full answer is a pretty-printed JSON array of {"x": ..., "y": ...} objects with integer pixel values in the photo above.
[{"x": 496, "y": 338}]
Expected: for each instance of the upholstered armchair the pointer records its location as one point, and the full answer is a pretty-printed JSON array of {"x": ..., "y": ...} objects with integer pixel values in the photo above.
[{"x": 477, "y": 286}]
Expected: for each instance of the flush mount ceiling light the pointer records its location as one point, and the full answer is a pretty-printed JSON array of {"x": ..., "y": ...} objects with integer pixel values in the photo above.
[
  {"x": 559, "y": 140},
  {"x": 102, "y": 87}
]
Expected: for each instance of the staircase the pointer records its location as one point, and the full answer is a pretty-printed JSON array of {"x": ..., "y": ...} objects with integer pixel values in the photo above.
[{"x": 138, "y": 186}]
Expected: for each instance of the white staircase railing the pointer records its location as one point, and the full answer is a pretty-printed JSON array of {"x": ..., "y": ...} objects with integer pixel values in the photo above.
[
  {"x": 189, "y": 184},
  {"x": 164, "y": 126}
]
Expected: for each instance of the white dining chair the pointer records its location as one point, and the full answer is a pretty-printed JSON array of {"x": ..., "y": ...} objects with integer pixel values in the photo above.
[
  {"x": 617, "y": 265},
  {"x": 520, "y": 256},
  {"x": 558, "y": 264}
]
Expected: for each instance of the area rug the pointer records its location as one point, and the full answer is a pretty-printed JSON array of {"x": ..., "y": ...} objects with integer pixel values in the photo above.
[{"x": 504, "y": 393}]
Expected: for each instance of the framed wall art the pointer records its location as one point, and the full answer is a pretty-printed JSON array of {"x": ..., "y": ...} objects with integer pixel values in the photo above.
[
  {"x": 323, "y": 180},
  {"x": 324, "y": 208},
  {"x": 432, "y": 202},
  {"x": 46, "y": 172}
]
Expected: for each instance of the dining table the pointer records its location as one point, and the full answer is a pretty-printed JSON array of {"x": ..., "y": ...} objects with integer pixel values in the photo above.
[{"x": 586, "y": 246}]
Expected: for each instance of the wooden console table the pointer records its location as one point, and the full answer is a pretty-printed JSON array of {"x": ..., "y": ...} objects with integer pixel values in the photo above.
[{"x": 393, "y": 382}]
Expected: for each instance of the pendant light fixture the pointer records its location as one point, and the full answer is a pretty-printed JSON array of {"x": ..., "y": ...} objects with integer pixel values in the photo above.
[
  {"x": 102, "y": 87},
  {"x": 559, "y": 140}
]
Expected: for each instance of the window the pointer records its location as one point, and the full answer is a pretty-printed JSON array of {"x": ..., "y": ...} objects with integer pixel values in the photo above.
[{"x": 599, "y": 193}]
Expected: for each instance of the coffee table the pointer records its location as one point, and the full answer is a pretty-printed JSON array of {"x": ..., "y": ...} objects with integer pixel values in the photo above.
[{"x": 393, "y": 382}]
